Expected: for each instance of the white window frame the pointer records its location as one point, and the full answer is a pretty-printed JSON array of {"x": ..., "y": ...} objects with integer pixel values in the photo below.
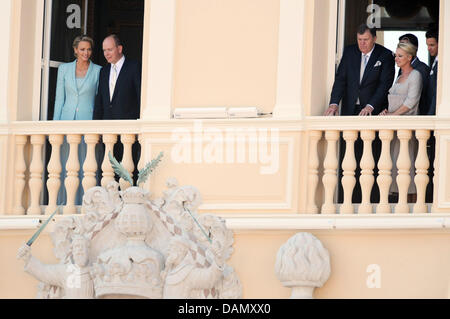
[{"x": 45, "y": 62}]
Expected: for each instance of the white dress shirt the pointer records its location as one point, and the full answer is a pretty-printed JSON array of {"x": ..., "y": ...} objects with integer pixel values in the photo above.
[
  {"x": 363, "y": 68},
  {"x": 118, "y": 66}
]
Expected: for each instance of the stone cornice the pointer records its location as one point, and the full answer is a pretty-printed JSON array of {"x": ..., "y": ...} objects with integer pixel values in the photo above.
[{"x": 281, "y": 222}]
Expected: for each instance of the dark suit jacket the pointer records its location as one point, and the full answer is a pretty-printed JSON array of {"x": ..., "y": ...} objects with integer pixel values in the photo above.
[
  {"x": 126, "y": 101},
  {"x": 432, "y": 90},
  {"x": 376, "y": 82},
  {"x": 425, "y": 73}
]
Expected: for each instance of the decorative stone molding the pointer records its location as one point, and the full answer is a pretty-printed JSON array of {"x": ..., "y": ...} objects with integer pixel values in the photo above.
[
  {"x": 303, "y": 264},
  {"x": 138, "y": 248}
]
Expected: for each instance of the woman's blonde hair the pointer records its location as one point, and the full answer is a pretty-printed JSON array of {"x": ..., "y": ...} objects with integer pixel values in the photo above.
[
  {"x": 82, "y": 38},
  {"x": 408, "y": 47}
]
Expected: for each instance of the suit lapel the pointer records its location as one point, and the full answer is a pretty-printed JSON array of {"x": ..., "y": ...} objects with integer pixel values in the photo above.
[
  {"x": 73, "y": 72},
  {"x": 107, "y": 75},
  {"x": 121, "y": 77},
  {"x": 373, "y": 58},
  {"x": 357, "y": 70}
]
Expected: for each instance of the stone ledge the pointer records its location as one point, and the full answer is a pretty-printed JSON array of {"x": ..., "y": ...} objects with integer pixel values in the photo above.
[{"x": 285, "y": 222}]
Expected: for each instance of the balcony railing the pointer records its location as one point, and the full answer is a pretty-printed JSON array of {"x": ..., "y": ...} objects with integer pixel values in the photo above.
[
  {"x": 322, "y": 161},
  {"x": 323, "y": 170}
]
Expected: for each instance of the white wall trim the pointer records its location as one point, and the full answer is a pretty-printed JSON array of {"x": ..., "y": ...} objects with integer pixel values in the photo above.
[
  {"x": 443, "y": 94},
  {"x": 5, "y": 26},
  {"x": 290, "y": 60},
  {"x": 255, "y": 222},
  {"x": 160, "y": 60},
  {"x": 333, "y": 222}
]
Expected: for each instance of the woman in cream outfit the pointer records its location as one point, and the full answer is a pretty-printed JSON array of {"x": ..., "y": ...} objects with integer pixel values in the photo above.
[
  {"x": 404, "y": 98},
  {"x": 75, "y": 96}
]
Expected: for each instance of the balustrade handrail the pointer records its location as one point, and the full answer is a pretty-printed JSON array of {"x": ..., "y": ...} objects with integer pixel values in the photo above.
[
  {"x": 75, "y": 127},
  {"x": 309, "y": 123},
  {"x": 342, "y": 123}
]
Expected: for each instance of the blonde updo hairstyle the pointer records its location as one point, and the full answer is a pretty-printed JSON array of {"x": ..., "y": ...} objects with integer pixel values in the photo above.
[
  {"x": 409, "y": 48},
  {"x": 82, "y": 38}
]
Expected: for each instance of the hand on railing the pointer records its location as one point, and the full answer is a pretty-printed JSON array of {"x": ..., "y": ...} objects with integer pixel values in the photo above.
[
  {"x": 384, "y": 112},
  {"x": 332, "y": 110}
]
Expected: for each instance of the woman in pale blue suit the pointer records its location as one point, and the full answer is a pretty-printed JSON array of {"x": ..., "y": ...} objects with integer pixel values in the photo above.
[{"x": 76, "y": 89}]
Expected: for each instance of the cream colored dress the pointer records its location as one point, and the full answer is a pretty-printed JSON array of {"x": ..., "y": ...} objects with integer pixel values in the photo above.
[{"x": 408, "y": 94}]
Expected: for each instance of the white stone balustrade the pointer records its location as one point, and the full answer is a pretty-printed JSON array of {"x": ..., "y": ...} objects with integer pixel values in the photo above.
[
  {"x": 36, "y": 170},
  {"x": 384, "y": 178},
  {"x": 367, "y": 165},
  {"x": 127, "y": 159},
  {"x": 422, "y": 164},
  {"x": 108, "y": 173},
  {"x": 90, "y": 163},
  {"x": 54, "y": 171},
  {"x": 313, "y": 172},
  {"x": 31, "y": 203},
  {"x": 403, "y": 177},
  {"x": 20, "y": 168},
  {"x": 349, "y": 167},
  {"x": 29, "y": 149},
  {"x": 72, "y": 167},
  {"x": 367, "y": 179},
  {"x": 330, "y": 178}
]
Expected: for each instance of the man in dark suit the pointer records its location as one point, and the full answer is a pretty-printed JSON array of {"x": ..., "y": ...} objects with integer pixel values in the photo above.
[
  {"x": 362, "y": 83},
  {"x": 433, "y": 46},
  {"x": 424, "y": 72},
  {"x": 119, "y": 94},
  {"x": 119, "y": 88},
  {"x": 363, "y": 78},
  {"x": 432, "y": 37}
]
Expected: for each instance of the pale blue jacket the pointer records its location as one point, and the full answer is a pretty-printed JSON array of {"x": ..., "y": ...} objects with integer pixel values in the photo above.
[{"x": 72, "y": 103}]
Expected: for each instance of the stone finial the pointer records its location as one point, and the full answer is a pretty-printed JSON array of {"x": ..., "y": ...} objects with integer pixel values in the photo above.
[{"x": 302, "y": 264}]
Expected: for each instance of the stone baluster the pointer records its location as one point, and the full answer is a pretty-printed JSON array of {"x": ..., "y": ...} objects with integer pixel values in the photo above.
[
  {"x": 108, "y": 173},
  {"x": 403, "y": 177},
  {"x": 384, "y": 178},
  {"x": 330, "y": 165},
  {"x": 313, "y": 172},
  {"x": 20, "y": 168},
  {"x": 127, "y": 158},
  {"x": 422, "y": 165},
  {"x": 90, "y": 163},
  {"x": 367, "y": 165},
  {"x": 72, "y": 167},
  {"x": 142, "y": 162},
  {"x": 54, "y": 173},
  {"x": 36, "y": 169},
  {"x": 348, "y": 167}
]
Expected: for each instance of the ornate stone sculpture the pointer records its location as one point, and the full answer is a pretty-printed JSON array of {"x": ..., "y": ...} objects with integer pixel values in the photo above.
[
  {"x": 303, "y": 264},
  {"x": 182, "y": 275},
  {"x": 72, "y": 278},
  {"x": 139, "y": 248}
]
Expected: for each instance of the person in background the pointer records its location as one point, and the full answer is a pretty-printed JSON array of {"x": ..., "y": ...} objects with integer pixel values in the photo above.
[
  {"x": 119, "y": 93},
  {"x": 404, "y": 98},
  {"x": 363, "y": 78},
  {"x": 362, "y": 82},
  {"x": 433, "y": 48},
  {"x": 432, "y": 37},
  {"x": 424, "y": 72},
  {"x": 76, "y": 88}
]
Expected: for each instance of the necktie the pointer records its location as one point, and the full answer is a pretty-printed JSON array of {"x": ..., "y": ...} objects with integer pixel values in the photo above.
[
  {"x": 113, "y": 81},
  {"x": 364, "y": 61},
  {"x": 433, "y": 66}
]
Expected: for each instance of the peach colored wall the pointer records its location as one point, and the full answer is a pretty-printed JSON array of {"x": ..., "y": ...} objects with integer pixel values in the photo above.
[
  {"x": 226, "y": 53},
  {"x": 26, "y": 55},
  {"x": 413, "y": 264}
]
